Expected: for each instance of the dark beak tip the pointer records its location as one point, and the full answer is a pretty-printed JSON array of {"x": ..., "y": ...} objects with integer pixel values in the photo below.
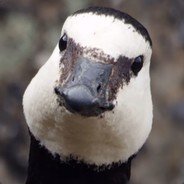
[{"x": 107, "y": 106}]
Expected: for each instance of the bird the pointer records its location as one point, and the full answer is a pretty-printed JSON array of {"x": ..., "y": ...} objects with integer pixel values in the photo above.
[{"x": 89, "y": 107}]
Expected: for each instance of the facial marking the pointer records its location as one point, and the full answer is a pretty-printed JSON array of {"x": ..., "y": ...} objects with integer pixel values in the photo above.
[
  {"x": 68, "y": 60},
  {"x": 121, "y": 74},
  {"x": 121, "y": 70}
]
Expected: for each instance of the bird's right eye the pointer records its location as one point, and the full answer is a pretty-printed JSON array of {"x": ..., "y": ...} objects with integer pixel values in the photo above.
[{"x": 63, "y": 42}]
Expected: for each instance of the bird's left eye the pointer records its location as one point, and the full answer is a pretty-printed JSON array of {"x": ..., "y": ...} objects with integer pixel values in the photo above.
[
  {"x": 137, "y": 64},
  {"x": 63, "y": 43}
]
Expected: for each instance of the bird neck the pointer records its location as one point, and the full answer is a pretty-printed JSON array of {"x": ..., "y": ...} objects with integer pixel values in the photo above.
[{"x": 46, "y": 168}]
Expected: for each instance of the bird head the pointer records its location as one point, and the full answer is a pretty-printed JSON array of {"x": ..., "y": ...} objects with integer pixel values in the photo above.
[{"x": 91, "y": 100}]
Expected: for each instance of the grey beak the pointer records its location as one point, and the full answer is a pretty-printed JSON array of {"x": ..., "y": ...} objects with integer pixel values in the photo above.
[{"x": 86, "y": 90}]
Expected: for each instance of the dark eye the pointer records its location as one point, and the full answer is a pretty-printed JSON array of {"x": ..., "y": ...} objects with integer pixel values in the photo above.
[
  {"x": 63, "y": 42},
  {"x": 137, "y": 65}
]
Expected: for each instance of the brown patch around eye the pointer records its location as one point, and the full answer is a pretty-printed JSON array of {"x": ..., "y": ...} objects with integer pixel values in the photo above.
[
  {"x": 74, "y": 51},
  {"x": 68, "y": 60},
  {"x": 120, "y": 74}
]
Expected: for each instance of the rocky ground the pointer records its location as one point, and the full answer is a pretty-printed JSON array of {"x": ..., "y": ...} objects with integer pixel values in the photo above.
[{"x": 29, "y": 30}]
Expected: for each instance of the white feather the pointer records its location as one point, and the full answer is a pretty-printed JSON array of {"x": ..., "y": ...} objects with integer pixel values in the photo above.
[{"x": 106, "y": 33}]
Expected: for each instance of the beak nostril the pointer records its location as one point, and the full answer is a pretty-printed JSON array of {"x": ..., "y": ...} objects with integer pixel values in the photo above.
[
  {"x": 73, "y": 78},
  {"x": 99, "y": 88}
]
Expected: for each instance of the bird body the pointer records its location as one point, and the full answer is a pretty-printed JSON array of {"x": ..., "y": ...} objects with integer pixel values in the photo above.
[{"x": 89, "y": 108}]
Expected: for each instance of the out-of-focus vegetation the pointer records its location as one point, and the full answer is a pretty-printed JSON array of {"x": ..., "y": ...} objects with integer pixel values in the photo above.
[{"x": 29, "y": 30}]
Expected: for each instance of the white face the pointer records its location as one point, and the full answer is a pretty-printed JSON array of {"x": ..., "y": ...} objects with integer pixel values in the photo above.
[{"x": 119, "y": 133}]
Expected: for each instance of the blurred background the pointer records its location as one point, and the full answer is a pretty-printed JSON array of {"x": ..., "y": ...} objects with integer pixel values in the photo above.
[{"x": 29, "y": 31}]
